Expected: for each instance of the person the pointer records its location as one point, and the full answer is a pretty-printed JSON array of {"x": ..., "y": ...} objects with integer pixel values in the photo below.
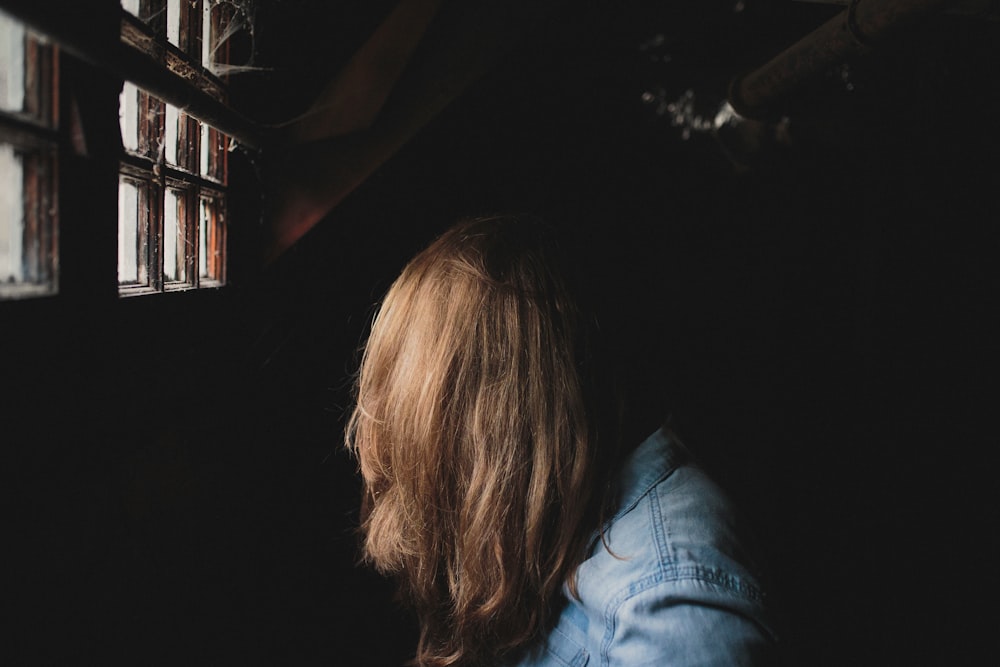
[{"x": 504, "y": 486}]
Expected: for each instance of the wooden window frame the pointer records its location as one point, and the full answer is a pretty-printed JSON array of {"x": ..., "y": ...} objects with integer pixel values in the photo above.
[
  {"x": 148, "y": 165},
  {"x": 32, "y": 132}
]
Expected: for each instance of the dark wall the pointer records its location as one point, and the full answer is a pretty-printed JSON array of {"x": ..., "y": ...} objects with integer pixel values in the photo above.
[{"x": 819, "y": 322}]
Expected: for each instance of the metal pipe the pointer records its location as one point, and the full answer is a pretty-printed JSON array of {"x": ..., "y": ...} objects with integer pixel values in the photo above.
[{"x": 852, "y": 32}]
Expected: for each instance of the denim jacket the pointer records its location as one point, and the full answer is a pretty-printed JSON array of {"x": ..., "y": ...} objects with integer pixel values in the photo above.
[{"x": 670, "y": 583}]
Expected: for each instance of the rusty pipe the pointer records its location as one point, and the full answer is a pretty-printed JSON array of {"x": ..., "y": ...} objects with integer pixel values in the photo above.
[{"x": 852, "y": 32}]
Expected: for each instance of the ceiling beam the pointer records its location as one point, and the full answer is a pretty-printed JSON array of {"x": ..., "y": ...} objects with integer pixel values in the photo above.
[{"x": 458, "y": 46}]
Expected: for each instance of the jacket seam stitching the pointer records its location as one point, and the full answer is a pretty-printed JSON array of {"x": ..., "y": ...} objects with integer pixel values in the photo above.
[{"x": 670, "y": 575}]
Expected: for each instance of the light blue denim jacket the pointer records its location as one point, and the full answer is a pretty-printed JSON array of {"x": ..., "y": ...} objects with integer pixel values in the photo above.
[{"x": 677, "y": 587}]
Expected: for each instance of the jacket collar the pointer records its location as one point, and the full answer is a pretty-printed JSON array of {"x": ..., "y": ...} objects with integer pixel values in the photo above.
[{"x": 649, "y": 463}]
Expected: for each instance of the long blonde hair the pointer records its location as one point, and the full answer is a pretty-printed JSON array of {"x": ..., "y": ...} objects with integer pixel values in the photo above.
[{"x": 478, "y": 405}]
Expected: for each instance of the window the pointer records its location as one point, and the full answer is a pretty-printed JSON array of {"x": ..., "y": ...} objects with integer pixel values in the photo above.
[
  {"x": 173, "y": 177},
  {"x": 28, "y": 210},
  {"x": 177, "y": 134}
]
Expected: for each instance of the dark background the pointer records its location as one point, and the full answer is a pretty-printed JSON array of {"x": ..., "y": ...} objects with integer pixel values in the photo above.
[{"x": 821, "y": 321}]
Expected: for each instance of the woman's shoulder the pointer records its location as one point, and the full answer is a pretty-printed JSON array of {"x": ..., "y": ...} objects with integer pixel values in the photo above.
[
  {"x": 671, "y": 580},
  {"x": 674, "y": 529}
]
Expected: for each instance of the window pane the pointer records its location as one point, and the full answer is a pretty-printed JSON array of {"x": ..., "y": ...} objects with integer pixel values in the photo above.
[
  {"x": 214, "y": 147},
  {"x": 171, "y": 133},
  {"x": 204, "y": 223},
  {"x": 28, "y": 257},
  {"x": 206, "y": 150},
  {"x": 129, "y": 219},
  {"x": 25, "y": 71},
  {"x": 128, "y": 113},
  {"x": 131, "y": 6},
  {"x": 11, "y": 64},
  {"x": 144, "y": 120},
  {"x": 176, "y": 249},
  {"x": 207, "y": 35},
  {"x": 174, "y": 22},
  {"x": 11, "y": 215},
  {"x": 150, "y": 12},
  {"x": 212, "y": 239},
  {"x": 217, "y": 28},
  {"x": 170, "y": 237}
]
